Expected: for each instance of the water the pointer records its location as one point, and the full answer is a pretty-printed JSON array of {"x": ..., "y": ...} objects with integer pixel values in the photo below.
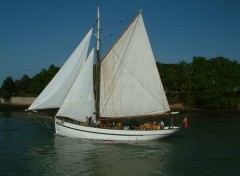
[{"x": 210, "y": 146}]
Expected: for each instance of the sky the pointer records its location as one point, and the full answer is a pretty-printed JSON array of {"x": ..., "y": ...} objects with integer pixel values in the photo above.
[{"x": 35, "y": 34}]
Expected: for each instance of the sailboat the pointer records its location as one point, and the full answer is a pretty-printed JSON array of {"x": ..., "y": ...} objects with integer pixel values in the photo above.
[{"x": 127, "y": 85}]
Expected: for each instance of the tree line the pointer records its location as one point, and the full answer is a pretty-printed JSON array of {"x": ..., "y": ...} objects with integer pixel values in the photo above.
[
  {"x": 203, "y": 83},
  {"x": 26, "y": 86}
]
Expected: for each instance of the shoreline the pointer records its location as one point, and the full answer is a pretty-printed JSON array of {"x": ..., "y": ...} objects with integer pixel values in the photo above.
[
  {"x": 22, "y": 103},
  {"x": 180, "y": 106},
  {"x": 12, "y": 108}
]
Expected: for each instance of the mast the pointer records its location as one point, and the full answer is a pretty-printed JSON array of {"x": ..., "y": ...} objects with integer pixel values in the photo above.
[
  {"x": 98, "y": 66},
  {"x": 98, "y": 35}
]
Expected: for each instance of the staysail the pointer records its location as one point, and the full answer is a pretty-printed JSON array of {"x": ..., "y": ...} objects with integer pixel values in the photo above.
[
  {"x": 79, "y": 102},
  {"x": 55, "y": 92},
  {"x": 130, "y": 82}
]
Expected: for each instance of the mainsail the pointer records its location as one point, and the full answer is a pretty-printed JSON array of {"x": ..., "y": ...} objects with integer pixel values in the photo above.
[
  {"x": 79, "y": 102},
  {"x": 55, "y": 92},
  {"x": 130, "y": 82}
]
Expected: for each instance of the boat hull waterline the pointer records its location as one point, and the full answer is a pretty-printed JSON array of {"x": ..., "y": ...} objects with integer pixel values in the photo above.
[{"x": 85, "y": 132}]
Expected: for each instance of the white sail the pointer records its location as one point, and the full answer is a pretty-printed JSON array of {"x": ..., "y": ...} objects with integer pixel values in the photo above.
[
  {"x": 79, "y": 102},
  {"x": 55, "y": 92},
  {"x": 130, "y": 83}
]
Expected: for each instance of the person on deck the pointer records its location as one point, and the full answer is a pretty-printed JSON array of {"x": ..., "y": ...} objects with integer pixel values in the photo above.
[
  {"x": 162, "y": 125},
  {"x": 90, "y": 121},
  {"x": 87, "y": 120},
  {"x": 185, "y": 121}
]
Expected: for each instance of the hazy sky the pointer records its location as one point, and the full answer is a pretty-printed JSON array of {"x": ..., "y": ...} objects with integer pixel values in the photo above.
[{"x": 37, "y": 33}]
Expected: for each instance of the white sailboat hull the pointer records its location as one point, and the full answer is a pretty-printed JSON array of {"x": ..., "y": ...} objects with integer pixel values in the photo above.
[{"x": 84, "y": 132}]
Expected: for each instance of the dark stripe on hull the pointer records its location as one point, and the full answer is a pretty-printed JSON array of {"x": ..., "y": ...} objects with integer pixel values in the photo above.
[{"x": 110, "y": 133}]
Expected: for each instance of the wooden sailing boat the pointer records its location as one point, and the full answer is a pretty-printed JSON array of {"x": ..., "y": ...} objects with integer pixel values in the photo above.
[{"x": 128, "y": 86}]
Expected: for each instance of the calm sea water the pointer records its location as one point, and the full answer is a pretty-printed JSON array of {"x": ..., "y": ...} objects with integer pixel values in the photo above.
[{"x": 210, "y": 146}]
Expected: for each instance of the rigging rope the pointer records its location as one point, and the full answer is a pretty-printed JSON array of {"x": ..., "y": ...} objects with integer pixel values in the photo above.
[{"x": 46, "y": 126}]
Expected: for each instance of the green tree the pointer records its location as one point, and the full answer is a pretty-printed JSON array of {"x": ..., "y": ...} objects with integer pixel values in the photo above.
[
  {"x": 22, "y": 86},
  {"x": 168, "y": 76},
  {"x": 8, "y": 88},
  {"x": 215, "y": 81},
  {"x": 176, "y": 79}
]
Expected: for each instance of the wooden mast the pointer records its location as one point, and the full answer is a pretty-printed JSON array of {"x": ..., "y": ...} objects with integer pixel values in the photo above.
[{"x": 98, "y": 66}]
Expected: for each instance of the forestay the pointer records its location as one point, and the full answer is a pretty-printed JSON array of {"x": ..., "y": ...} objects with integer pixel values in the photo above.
[
  {"x": 79, "y": 102},
  {"x": 130, "y": 83},
  {"x": 55, "y": 92}
]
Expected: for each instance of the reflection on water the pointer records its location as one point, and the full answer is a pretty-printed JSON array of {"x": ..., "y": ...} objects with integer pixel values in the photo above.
[
  {"x": 67, "y": 155},
  {"x": 210, "y": 146}
]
